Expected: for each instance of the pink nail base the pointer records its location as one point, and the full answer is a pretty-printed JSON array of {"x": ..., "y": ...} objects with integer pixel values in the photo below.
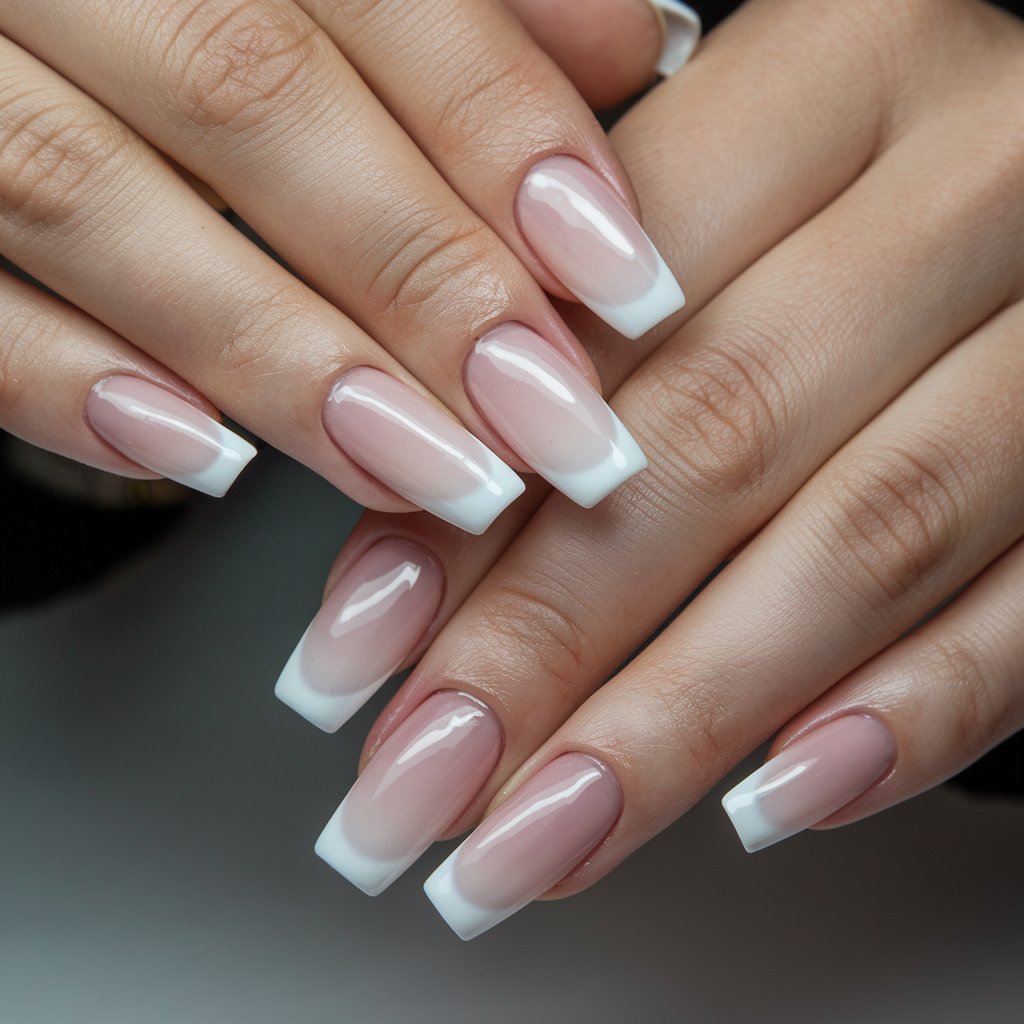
[{"x": 812, "y": 778}]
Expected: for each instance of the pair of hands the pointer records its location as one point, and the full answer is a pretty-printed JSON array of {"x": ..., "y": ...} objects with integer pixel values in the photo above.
[
  {"x": 840, "y": 415},
  {"x": 842, "y": 188}
]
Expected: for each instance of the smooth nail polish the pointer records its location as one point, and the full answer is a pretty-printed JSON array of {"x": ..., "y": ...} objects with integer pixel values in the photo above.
[
  {"x": 548, "y": 412},
  {"x": 420, "y": 780},
  {"x": 533, "y": 840},
  {"x": 166, "y": 434},
  {"x": 811, "y": 779},
  {"x": 415, "y": 449},
  {"x": 682, "y": 34},
  {"x": 589, "y": 240},
  {"x": 367, "y": 627}
]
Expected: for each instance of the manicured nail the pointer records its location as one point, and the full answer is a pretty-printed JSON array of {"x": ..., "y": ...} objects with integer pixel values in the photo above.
[
  {"x": 811, "y": 779},
  {"x": 682, "y": 34},
  {"x": 591, "y": 242},
  {"x": 368, "y": 626},
  {"x": 548, "y": 412},
  {"x": 415, "y": 449},
  {"x": 166, "y": 434},
  {"x": 420, "y": 780},
  {"x": 533, "y": 840}
]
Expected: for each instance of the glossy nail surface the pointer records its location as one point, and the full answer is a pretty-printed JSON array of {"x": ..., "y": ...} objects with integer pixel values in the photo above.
[
  {"x": 809, "y": 780},
  {"x": 590, "y": 241},
  {"x": 165, "y": 434},
  {"x": 548, "y": 412},
  {"x": 533, "y": 840},
  {"x": 420, "y": 780},
  {"x": 682, "y": 34},
  {"x": 411, "y": 446},
  {"x": 367, "y": 627}
]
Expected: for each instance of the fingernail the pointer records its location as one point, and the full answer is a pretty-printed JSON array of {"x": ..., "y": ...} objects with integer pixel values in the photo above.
[
  {"x": 415, "y": 449},
  {"x": 590, "y": 241},
  {"x": 682, "y": 34},
  {"x": 547, "y": 411},
  {"x": 420, "y": 780},
  {"x": 367, "y": 627},
  {"x": 166, "y": 434},
  {"x": 811, "y": 779},
  {"x": 533, "y": 840}
]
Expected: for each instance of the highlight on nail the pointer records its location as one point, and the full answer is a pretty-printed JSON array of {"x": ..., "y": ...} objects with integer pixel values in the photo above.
[
  {"x": 587, "y": 237},
  {"x": 411, "y": 446},
  {"x": 809, "y": 780},
  {"x": 550, "y": 414},
  {"x": 528, "y": 844},
  {"x": 165, "y": 434},
  {"x": 423, "y": 776},
  {"x": 368, "y": 626}
]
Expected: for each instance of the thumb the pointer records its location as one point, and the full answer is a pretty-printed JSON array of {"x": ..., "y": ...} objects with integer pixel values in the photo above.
[{"x": 611, "y": 49}]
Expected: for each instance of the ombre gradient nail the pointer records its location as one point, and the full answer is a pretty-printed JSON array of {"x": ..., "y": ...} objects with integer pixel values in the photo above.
[
  {"x": 367, "y": 627},
  {"x": 166, "y": 434},
  {"x": 548, "y": 412},
  {"x": 811, "y": 779},
  {"x": 533, "y": 840},
  {"x": 420, "y": 780},
  {"x": 589, "y": 240},
  {"x": 415, "y": 449}
]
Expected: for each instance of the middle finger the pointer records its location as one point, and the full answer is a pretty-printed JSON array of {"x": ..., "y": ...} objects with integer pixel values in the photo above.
[{"x": 742, "y": 405}]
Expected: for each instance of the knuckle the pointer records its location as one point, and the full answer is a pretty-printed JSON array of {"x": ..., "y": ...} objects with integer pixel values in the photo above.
[
  {"x": 496, "y": 113},
  {"x": 52, "y": 155},
  {"x": 890, "y": 520},
  {"x": 981, "y": 704},
  {"x": 426, "y": 261},
  {"x": 233, "y": 66},
  {"x": 31, "y": 336},
  {"x": 720, "y": 419},
  {"x": 535, "y": 622},
  {"x": 249, "y": 333},
  {"x": 703, "y": 733}
]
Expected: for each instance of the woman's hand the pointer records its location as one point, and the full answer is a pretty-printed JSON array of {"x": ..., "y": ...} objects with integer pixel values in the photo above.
[
  {"x": 414, "y": 162},
  {"x": 845, "y": 184}
]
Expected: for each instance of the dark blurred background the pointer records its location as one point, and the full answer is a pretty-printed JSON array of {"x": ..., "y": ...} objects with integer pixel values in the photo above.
[{"x": 158, "y": 809}]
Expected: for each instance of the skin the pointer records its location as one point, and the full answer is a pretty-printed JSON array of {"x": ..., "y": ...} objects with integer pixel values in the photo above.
[
  {"x": 839, "y": 414},
  {"x": 297, "y": 115}
]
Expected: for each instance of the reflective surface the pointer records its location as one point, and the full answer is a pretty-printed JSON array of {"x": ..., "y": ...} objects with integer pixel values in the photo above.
[
  {"x": 549, "y": 413},
  {"x": 159, "y": 808},
  {"x": 413, "y": 447}
]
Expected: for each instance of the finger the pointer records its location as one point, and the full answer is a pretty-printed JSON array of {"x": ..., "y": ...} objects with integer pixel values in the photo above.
[
  {"x": 915, "y": 506},
  {"x": 107, "y": 404},
  {"x": 97, "y": 216},
  {"x": 741, "y": 404},
  {"x": 419, "y": 269},
  {"x": 610, "y": 49},
  {"x": 394, "y": 585},
  {"x": 917, "y": 714},
  {"x": 599, "y": 550},
  {"x": 515, "y": 139}
]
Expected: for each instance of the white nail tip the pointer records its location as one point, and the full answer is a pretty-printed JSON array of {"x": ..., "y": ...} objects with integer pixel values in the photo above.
[
  {"x": 235, "y": 454},
  {"x": 370, "y": 874},
  {"x": 326, "y": 711},
  {"x": 741, "y": 804},
  {"x": 682, "y": 34},
  {"x": 589, "y": 486},
  {"x": 474, "y": 512},
  {"x": 466, "y": 919},
  {"x": 636, "y": 318}
]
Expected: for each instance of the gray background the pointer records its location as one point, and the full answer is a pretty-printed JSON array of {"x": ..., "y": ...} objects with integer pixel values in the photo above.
[{"x": 158, "y": 809}]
